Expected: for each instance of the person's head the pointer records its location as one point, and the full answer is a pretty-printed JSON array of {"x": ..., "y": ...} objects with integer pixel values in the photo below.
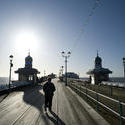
[{"x": 49, "y": 79}]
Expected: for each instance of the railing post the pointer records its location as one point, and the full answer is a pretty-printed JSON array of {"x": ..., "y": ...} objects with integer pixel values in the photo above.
[
  {"x": 121, "y": 113},
  {"x": 70, "y": 83},
  {"x": 80, "y": 89},
  {"x": 86, "y": 93},
  {"x": 110, "y": 90},
  {"x": 97, "y": 99}
]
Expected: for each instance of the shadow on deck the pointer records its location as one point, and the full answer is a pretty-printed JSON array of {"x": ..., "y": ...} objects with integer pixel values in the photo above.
[{"x": 34, "y": 97}]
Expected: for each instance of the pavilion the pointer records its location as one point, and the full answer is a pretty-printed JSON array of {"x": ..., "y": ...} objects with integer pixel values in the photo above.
[
  {"x": 98, "y": 74},
  {"x": 27, "y": 73}
]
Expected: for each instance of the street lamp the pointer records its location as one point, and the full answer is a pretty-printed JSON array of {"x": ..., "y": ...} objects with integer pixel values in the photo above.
[
  {"x": 124, "y": 66},
  {"x": 62, "y": 70},
  {"x": 11, "y": 65},
  {"x": 66, "y": 56},
  {"x": 44, "y": 73}
]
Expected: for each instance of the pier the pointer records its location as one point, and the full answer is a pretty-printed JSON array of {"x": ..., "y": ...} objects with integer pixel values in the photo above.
[{"x": 26, "y": 107}]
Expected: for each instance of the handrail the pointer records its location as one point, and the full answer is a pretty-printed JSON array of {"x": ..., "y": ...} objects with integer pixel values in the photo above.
[
  {"x": 103, "y": 95},
  {"x": 98, "y": 102}
]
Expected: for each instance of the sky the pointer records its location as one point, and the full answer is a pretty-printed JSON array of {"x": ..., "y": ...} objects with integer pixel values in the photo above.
[{"x": 48, "y": 27}]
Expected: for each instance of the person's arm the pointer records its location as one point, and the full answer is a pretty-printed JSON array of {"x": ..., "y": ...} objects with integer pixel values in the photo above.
[
  {"x": 54, "y": 89},
  {"x": 44, "y": 87}
]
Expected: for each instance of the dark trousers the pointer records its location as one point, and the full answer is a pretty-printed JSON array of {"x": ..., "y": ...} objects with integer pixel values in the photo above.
[{"x": 48, "y": 101}]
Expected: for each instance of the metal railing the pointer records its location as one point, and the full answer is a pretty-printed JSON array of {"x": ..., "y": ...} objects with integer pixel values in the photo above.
[{"x": 120, "y": 104}]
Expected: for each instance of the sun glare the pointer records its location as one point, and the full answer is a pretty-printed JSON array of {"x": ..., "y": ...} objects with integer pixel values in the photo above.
[{"x": 26, "y": 41}]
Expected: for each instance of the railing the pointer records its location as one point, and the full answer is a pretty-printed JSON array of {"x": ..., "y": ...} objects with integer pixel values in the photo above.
[
  {"x": 120, "y": 104},
  {"x": 119, "y": 84}
]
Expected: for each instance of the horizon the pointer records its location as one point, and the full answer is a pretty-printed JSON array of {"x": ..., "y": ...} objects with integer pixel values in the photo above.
[{"x": 48, "y": 28}]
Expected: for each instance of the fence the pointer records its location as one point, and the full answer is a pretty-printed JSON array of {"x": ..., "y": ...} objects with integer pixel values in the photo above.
[{"x": 120, "y": 104}]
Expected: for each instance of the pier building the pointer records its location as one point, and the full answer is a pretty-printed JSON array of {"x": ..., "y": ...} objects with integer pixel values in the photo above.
[
  {"x": 27, "y": 73},
  {"x": 98, "y": 74}
]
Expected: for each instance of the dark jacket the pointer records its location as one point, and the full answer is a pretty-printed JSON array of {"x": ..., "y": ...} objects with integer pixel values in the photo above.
[{"x": 49, "y": 89}]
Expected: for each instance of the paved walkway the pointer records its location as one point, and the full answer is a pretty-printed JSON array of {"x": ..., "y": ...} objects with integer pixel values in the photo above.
[{"x": 26, "y": 107}]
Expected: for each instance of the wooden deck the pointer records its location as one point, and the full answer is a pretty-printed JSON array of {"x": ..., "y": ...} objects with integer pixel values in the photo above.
[{"x": 26, "y": 107}]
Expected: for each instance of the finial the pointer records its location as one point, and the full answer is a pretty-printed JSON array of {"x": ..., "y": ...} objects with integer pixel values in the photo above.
[
  {"x": 97, "y": 53},
  {"x": 29, "y": 52}
]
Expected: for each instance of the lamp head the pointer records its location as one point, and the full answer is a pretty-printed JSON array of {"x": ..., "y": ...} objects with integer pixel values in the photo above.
[
  {"x": 69, "y": 53},
  {"x": 124, "y": 60},
  {"x": 63, "y": 53},
  {"x": 11, "y": 57}
]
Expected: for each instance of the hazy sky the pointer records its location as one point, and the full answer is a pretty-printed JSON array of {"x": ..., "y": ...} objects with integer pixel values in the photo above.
[{"x": 47, "y": 27}]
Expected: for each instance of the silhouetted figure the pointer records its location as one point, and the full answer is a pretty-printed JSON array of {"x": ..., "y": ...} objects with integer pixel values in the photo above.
[
  {"x": 90, "y": 79},
  {"x": 48, "y": 89}
]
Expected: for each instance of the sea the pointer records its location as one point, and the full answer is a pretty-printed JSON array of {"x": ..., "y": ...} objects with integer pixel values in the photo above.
[
  {"x": 114, "y": 81},
  {"x": 4, "y": 83}
]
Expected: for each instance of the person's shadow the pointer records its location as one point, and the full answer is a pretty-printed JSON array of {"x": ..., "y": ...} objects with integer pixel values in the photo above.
[
  {"x": 34, "y": 97},
  {"x": 55, "y": 119},
  {"x": 4, "y": 97}
]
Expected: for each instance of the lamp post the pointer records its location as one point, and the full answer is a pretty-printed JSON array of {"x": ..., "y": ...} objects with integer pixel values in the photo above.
[
  {"x": 59, "y": 72},
  {"x": 124, "y": 66},
  {"x": 66, "y": 56},
  {"x": 44, "y": 73},
  {"x": 11, "y": 65},
  {"x": 62, "y": 70}
]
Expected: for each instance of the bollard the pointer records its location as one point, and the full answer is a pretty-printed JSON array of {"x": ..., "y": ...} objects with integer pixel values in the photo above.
[{"x": 121, "y": 113}]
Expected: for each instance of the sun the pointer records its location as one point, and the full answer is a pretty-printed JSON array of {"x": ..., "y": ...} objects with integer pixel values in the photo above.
[{"x": 26, "y": 40}]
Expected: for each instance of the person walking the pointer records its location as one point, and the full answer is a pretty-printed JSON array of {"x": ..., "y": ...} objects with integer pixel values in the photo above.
[{"x": 49, "y": 90}]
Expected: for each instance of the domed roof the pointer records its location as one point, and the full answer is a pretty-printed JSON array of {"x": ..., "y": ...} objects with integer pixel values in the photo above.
[
  {"x": 29, "y": 58},
  {"x": 98, "y": 59},
  {"x": 28, "y": 61}
]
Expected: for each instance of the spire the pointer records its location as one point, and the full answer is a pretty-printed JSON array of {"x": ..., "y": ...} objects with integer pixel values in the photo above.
[
  {"x": 29, "y": 52},
  {"x": 98, "y": 61},
  {"x": 97, "y": 53}
]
